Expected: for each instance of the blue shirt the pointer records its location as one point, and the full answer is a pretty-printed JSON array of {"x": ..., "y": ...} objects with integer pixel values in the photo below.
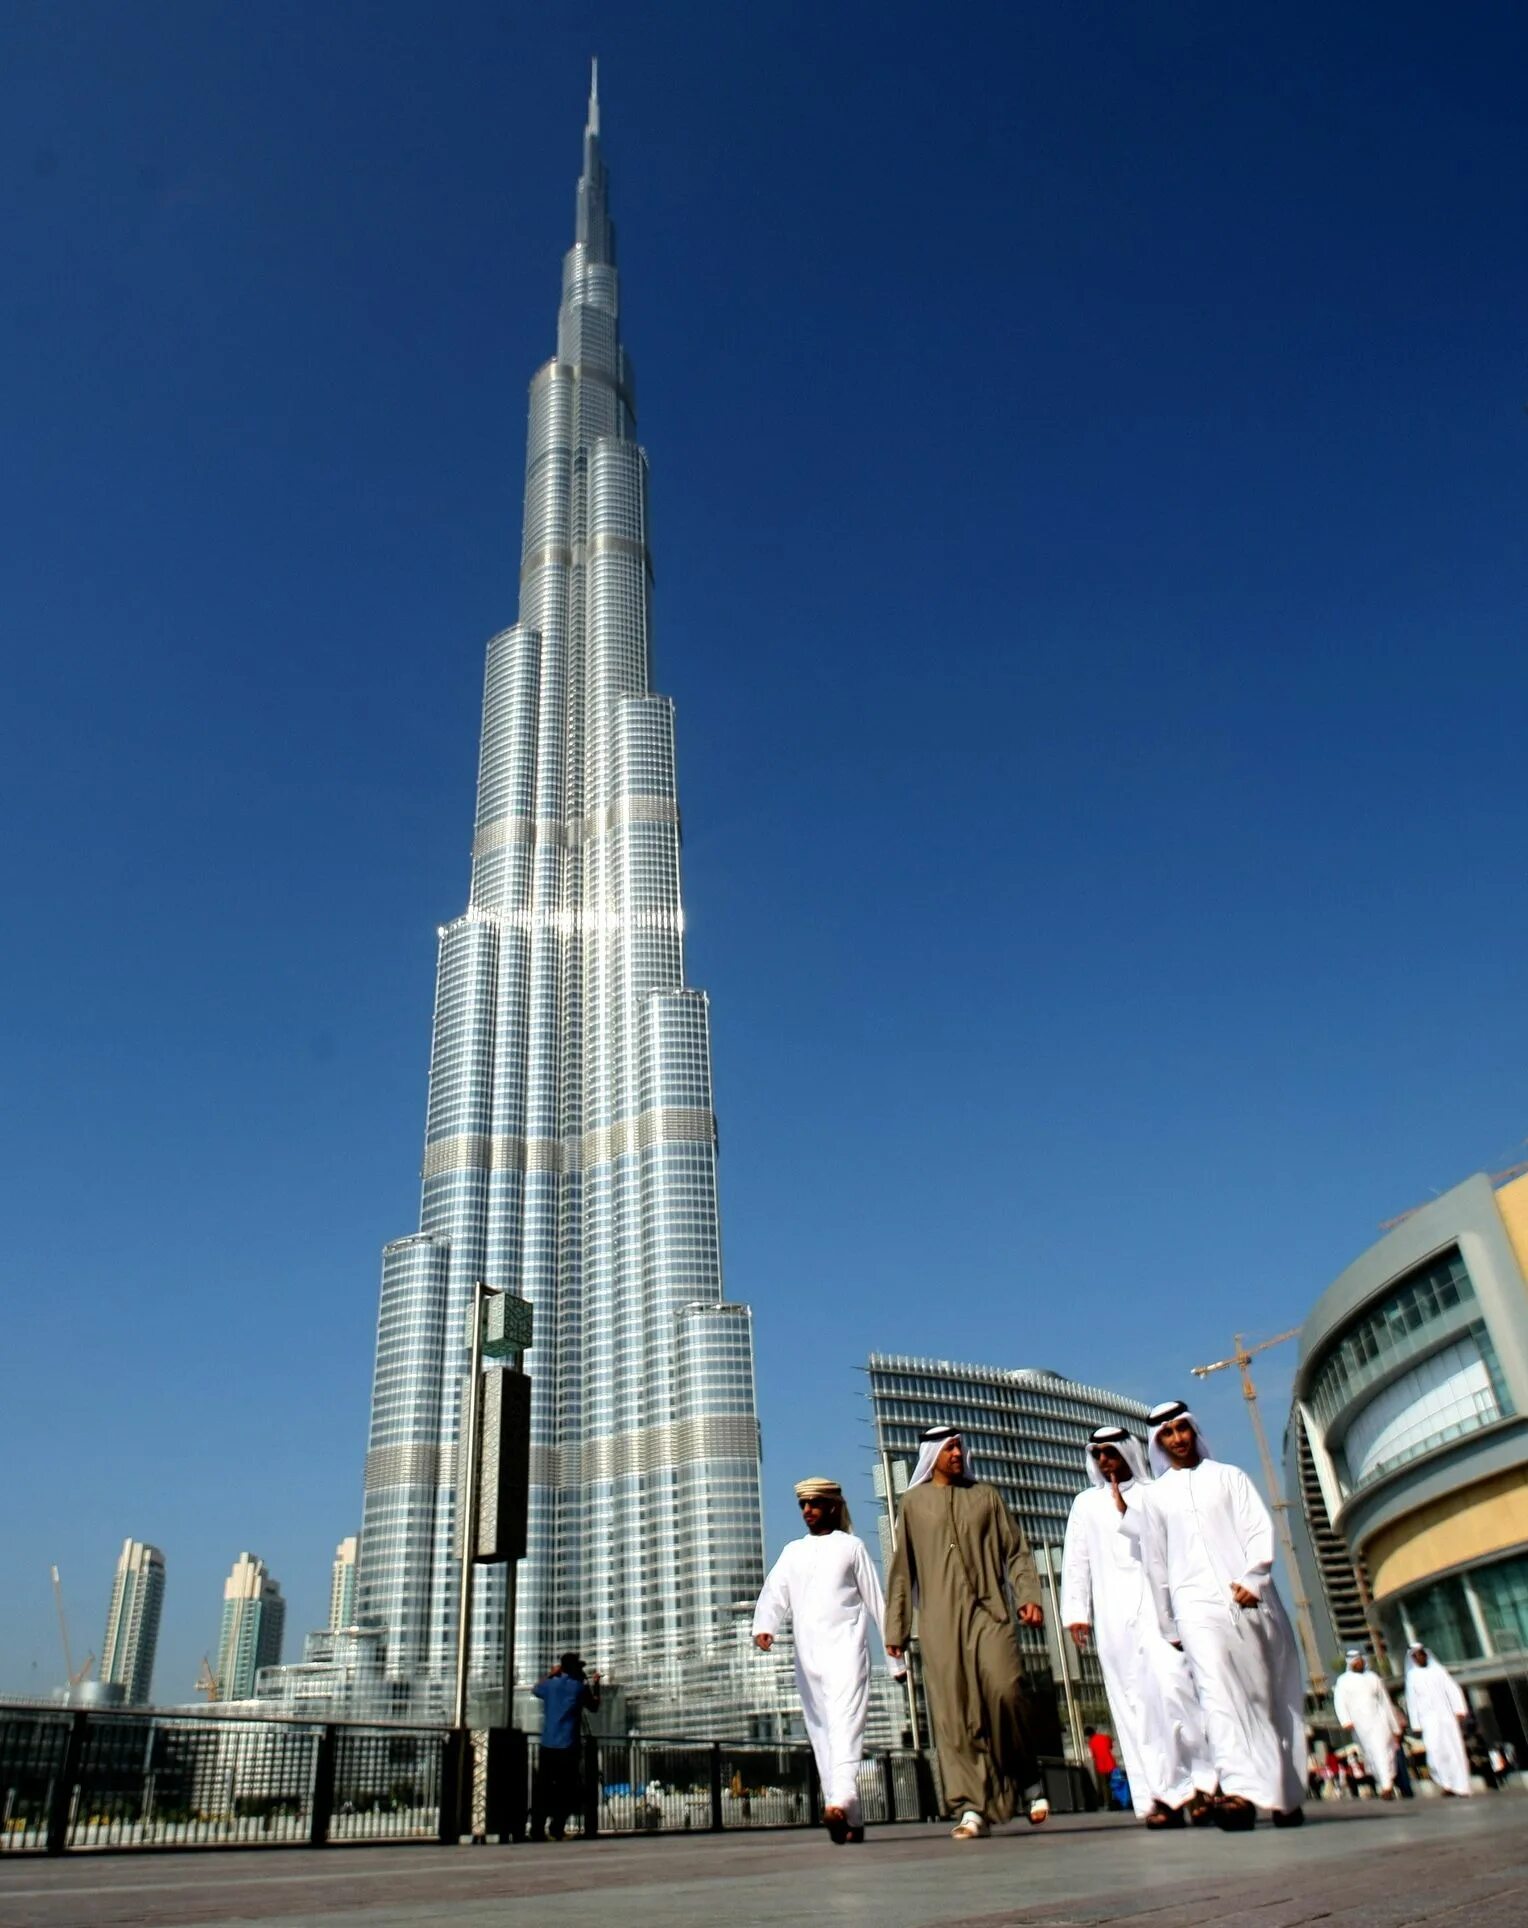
[{"x": 562, "y": 1697}]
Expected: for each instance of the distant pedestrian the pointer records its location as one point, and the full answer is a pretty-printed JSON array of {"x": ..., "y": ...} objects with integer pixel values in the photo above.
[
  {"x": 1435, "y": 1706},
  {"x": 826, "y": 1585},
  {"x": 557, "y": 1785},
  {"x": 1364, "y": 1707},
  {"x": 964, "y": 1562},
  {"x": 1101, "y": 1751},
  {"x": 1207, "y": 1541}
]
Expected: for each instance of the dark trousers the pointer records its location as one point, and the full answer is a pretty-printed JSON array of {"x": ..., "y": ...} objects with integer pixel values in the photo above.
[{"x": 556, "y": 1791}]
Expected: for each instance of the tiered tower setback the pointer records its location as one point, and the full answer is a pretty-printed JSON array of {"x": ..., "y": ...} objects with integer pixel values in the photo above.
[{"x": 570, "y": 1143}]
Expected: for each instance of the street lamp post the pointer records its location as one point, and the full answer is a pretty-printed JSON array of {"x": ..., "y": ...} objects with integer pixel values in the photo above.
[
  {"x": 1048, "y": 1556},
  {"x": 913, "y": 1723},
  {"x": 471, "y": 1445}
]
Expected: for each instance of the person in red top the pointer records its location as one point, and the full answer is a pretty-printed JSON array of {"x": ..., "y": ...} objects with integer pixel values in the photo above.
[{"x": 1101, "y": 1747}]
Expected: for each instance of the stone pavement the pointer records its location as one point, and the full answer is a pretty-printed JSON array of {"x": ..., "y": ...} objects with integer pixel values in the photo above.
[{"x": 1448, "y": 1864}]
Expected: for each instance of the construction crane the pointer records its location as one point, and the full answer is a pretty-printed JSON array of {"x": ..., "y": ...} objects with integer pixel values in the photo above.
[
  {"x": 207, "y": 1681},
  {"x": 1242, "y": 1359},
  {"x": 75, "y": 1679}
]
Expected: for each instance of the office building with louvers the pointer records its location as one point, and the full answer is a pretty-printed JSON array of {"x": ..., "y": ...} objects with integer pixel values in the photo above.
[
  {"x": 1025, "y": 1430},
  {"x": 570, "y": 1141}
]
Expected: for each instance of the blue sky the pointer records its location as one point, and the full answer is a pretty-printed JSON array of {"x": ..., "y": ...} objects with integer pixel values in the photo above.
[{"x": 1088, "y": 454}]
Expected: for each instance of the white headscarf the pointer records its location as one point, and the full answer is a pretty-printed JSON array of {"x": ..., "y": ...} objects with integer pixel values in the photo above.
[
  {"x": 1125, "y": 1444},
  {"x": 1356, "y": 1653},
  {"x": 1157, "y": 1418},
  {"x": 930, "y": 1445},
  {"x": 1411, "y": 1660}
]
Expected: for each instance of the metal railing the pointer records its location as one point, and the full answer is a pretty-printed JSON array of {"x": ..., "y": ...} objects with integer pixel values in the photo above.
[
  {"x": 71, "y": 1780},
  {"x": 75, "y": 1779},
  {"x": 653, "y": 1784}
]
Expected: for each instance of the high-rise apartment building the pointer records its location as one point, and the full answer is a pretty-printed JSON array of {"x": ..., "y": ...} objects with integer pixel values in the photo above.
[
  {"x": 1027, "y": 1432},
  {"x": 570, "y": 1140},
  {"x": 342, "y": 1585},
  {"x": 254, "y": 1619},
  {"x": 132, "y": 1621}
]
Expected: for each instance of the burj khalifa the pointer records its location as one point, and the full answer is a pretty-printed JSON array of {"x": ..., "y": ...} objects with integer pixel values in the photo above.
[{"x": 570, "y": 1140}]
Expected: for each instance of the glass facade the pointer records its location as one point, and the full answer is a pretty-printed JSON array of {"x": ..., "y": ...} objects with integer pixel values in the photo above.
[
  {"x": 1480, "y": 1614},
  {"x": 1453, "y": 1391},
  {"x": 1455, "y": 1387},
  {"x": 1397, "y": 1328},
  {"x": 570, "y": 1143}
]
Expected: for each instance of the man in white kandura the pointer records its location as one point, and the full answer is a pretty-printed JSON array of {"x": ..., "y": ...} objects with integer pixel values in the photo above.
[
  {"x": 1364, "y": 1706},
  {"x": 1151, "y": 1691},
  {"x": 1207, "y": 1541},
  {"x": 826, "y": 1586},
  {"x": 1434, "y": 1707}
]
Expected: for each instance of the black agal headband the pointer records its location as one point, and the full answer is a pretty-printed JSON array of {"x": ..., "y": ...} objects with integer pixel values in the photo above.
[{"x": 1169, "y": 1409}]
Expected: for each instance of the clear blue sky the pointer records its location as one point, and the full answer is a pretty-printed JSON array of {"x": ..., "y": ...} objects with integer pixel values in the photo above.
[{"x": 1089, "y": 454}]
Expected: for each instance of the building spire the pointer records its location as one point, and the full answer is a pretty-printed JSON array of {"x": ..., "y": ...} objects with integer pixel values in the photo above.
[{"x": 595, "y": 231}]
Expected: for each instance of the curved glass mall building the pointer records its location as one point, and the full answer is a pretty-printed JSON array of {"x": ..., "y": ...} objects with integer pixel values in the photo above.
[
  {"x": 570, "y": 1141},
  {"x": 1407, "y": 1451}
]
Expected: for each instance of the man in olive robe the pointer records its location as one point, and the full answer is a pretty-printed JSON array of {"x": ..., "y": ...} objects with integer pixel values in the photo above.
[{"x": 965, "y": 1564}]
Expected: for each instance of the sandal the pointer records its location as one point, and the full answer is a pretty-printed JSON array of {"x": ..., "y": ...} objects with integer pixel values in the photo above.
[
  {"x": 970, "y": 1827},
  {"x": 1039, "y": 1812},
  {"x": 1163, "y": 1816},
  {"x": 1235, "y": 1814},
  {"x": 1201, "y": 1810}
]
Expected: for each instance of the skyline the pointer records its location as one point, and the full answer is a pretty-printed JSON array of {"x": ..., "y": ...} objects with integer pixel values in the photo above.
[{"x": 1128, "y": 853}]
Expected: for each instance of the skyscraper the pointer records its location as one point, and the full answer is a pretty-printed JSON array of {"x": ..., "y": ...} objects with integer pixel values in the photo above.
[
  {"x": 570, "y": 1141},
  {"x": 132, "y": 1621},
  {"x": 254, "y": 1619},
  {"x": 342, "y": 1585}
]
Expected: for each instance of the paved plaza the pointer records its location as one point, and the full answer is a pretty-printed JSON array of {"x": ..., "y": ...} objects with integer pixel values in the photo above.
[{"x": 1435, "y": 1862}]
